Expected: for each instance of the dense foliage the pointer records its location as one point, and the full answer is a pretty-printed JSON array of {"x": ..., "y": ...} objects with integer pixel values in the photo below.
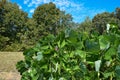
[
  {"x": 66, "y": 50},
  {"x": 18, "y": 32},
  {"x": 12, "y": 26},
  {"x": 74, "y": 56}
]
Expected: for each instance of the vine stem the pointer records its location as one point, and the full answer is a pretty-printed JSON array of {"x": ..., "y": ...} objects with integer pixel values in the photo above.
[
  {"x": 98, "y": 74},
  {"x": 111, "y": 77}
]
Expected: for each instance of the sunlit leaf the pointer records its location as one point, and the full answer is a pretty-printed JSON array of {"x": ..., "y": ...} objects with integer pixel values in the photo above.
[
  {"x": 39, "y": 56},
  {"x": 63, "y": 43},
  {"x": 81, "y": 53},
  {"x": 108, "y": 74},
  {"x": 104, "y": 43},
  {"x": 110, "y": 53}
]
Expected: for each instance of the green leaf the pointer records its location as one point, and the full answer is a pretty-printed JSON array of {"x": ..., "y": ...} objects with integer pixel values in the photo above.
[
  {"x": 58, "y": 43},
  {"x": 29, "y": 52},
  {"x": 117, "y": 71},
  {"x": 73, "y": 36},
  {"x": 108, "y": 55},
  {"x": 45, "y": 47},
  {"x": 108, "y": 63},
  {"x": 118, "y": 51},
  {"x": 104, "y": 43},
  {"x": 36, "y": 49},
  {"x": 21, "y": 66},
  {"x": 33, "y": 74},
  {"x": 83, "y": 67},
  {"x": 63, "y": 43},
  {"x": 113, "y": 25},
  {"x": 62, "y": 78},
  {"x": 81, "y": 53},
  {"x": 108, "y": 74},
  {"x": 60, "y": 37},
  {"x": 39, "y": 56},
  {"x": 92, "y": 46}
]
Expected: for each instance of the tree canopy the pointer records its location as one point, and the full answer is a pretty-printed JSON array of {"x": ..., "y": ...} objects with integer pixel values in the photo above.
[
  {"x": 18, "y": 31},
  {"x": 12, "y": 22}
]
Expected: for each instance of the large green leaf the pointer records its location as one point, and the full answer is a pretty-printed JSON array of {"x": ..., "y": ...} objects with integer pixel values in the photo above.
[
  {"x": 118, "y": 51},
  {"x": 107, "y": 74},
  {"x": 108, "y": 55},
  {"x": 117, "y": 72},
  {"x": 104, "y": 42},
  {"x": 83, "y": 67},
  {"x": 21, "y": 66},
  {"x": 73, "y": 36},
  {"x": 63, "y": 43},
  {"x": 33, "y": 73},
  {"x": 81, "y": 53},
  {"x": 44, "y": 47},
  {"x": 92, "y": 46},
  {"x": 29, "y": 52}
]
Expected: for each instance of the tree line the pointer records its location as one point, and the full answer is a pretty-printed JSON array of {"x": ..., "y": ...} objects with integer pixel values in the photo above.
[{"x": 19, "y": 32}]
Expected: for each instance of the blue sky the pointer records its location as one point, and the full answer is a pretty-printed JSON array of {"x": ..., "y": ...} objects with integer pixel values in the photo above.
[{"x": 79, "y": 9}]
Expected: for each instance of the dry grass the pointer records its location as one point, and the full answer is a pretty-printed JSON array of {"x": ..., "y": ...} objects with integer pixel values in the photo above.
[
  {"x": 8, "y": 62},
  {"x": 9, "y": 76}
]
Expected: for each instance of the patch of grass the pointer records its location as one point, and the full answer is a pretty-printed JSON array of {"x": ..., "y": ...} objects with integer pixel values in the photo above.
[{"x": 8, "y": 61}]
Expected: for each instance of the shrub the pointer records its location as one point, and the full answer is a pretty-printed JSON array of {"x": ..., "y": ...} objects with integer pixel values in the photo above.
[{"x": 73, "y": 55}]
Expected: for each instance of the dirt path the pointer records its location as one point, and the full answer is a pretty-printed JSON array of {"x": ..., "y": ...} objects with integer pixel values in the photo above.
[
  {"x": 9, "y": 76},
  {"x": 8, "y": 62}
]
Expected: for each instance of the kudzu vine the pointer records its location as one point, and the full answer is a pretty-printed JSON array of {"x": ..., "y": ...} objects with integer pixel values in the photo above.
[{"x": 73, "y": 55}]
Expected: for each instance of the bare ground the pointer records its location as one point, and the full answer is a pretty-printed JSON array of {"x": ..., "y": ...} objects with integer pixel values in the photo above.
[
  {"x": 8, "y": 62},
  {"x": 9, "y": 76}
]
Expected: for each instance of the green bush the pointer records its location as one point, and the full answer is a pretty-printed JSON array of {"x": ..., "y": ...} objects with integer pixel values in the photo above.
[
  {"x": 16, "y": 47},
  {"x": 73, "y": 56}
]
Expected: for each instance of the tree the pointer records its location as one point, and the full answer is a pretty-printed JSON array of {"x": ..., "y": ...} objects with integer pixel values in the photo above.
[
  {"x": 117, "y": 13},
  {"x": 47, "y": 17},
  {"x": 65, "y": 19},
  {"x": 100, "y": 21},
  {"x": 32, "y": 32},
  {"x": 12, "y": 22},
  {"x": 51, "y": 20},
  {"x": 86, "y": 25}
]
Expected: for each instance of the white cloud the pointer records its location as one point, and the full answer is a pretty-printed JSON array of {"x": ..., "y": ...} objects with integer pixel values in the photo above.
[
  {"x": 47, "y": 1},
  {"x": 77, "y": 9},
  {"x": 26, "y": 1},
  {"x": 68, "y": 5},
  {"x": 72, "y": 8},
  {"x": 32, "y": 10},
  {"x": 35, "y": 3},
  {"x": 20, "y": 7}
]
